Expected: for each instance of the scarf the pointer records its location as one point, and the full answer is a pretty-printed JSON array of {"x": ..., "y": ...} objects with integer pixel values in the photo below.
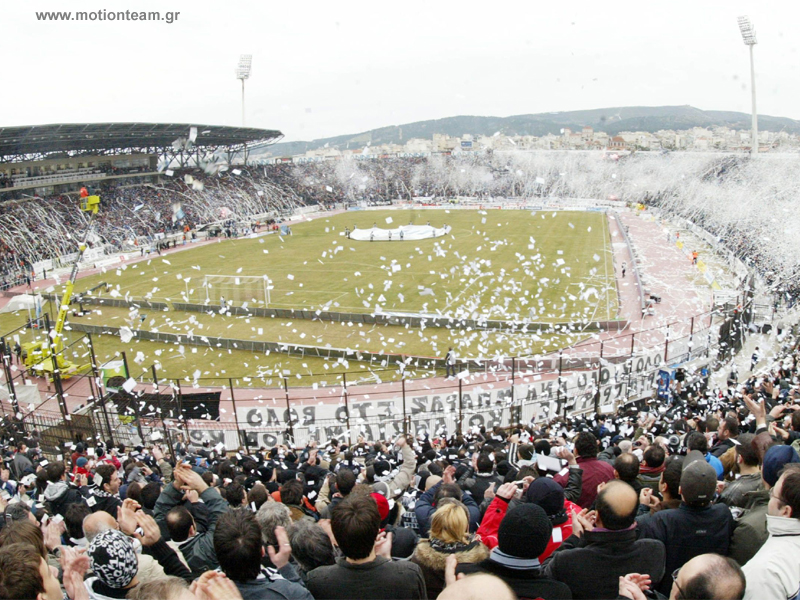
[
  {"x": 513, "y": 562},
  {"x": 645, "y": 470},
  {"x": 453, "y": 547}
]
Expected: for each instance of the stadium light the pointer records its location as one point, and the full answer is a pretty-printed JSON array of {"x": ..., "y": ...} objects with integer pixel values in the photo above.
[
  {"x": 749, "y": 38},
  {"x": 242, "y": 73}
]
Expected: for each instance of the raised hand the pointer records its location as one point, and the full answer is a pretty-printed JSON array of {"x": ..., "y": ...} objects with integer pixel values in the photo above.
[{"x": 280, "y": 558}]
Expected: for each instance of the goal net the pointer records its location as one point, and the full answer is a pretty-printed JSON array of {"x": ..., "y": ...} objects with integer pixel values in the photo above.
[{"x": 238, "y": 290}]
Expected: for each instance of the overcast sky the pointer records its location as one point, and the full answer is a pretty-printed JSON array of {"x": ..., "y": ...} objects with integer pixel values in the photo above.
[{"x": 330, "y": 68}]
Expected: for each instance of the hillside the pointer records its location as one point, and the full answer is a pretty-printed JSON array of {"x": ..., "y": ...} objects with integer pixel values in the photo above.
[{"x": 610, "y": 120}]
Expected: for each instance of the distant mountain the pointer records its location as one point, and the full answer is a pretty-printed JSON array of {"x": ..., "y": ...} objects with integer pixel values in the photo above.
[{"x": 610, "y": 120}]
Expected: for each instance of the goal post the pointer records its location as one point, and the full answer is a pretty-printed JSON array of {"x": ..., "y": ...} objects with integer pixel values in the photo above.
[{"x": 238, "y": 289}]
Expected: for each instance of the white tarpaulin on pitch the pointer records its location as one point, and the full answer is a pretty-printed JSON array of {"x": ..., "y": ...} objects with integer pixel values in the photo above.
[
  {"x": 21, "y": 302},
  {"x": 401, "y": 234}
]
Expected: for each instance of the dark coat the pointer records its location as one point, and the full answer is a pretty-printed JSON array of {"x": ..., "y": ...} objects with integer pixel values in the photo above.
[
  {"x": 381, "y": 578},
  {"x": 198, "y": 550},
  {"x": 591, "y": 565},
  {"x": 526, "y": 583},
  {"x": 424, "y": 510},
  {"x": 688, "y": 532},
  {"x": 750, "y": 531}
]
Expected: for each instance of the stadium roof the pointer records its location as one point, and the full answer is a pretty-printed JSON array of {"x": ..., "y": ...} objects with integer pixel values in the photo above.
[{"x": 32, "y": 142}]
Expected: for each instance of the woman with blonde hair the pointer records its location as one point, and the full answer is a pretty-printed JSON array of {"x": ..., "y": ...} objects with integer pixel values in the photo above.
[{"x": 449, "y": 534}]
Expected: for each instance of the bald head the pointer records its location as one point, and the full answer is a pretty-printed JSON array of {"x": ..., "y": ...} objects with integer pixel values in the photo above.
[
  {"x": 478, "y": 587},
  {"x": 97, "y": 523},
  {"x": 710, "y": 576},
  {"x": 616, "y": 506}
]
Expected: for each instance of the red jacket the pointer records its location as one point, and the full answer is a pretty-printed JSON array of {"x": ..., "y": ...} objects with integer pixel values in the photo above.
[
  {"x": 497, "y": 510},
  {"x": 595, "y": 472}
]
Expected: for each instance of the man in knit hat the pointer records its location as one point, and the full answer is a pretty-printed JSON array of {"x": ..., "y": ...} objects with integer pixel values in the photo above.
[
  {"x": 546, "y": 493},
  {"x": 113, "y": 561},
  {"x": 524, "y": 533}
]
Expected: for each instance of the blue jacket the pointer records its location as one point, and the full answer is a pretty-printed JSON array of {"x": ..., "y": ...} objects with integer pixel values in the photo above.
[
  {"x": 424, "y": 510},
  {"x": 716, "y": 463}
]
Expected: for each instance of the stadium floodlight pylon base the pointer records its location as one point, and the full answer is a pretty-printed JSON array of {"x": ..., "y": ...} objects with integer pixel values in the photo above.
[{"x": 237, "y": 289}]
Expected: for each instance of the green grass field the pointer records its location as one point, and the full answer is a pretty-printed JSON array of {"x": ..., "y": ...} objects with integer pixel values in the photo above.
[
  {"x": 547, "y": 267},
  {"x": 499, "y": 264}
]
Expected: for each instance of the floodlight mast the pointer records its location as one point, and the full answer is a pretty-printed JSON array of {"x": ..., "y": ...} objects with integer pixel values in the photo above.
[
  {"x": 749, "y": 38},
  {"x": 242, "y": 73}
]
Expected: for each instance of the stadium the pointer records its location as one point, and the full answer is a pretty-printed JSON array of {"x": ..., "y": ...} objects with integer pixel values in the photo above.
[{"x": 244, "y": 304}]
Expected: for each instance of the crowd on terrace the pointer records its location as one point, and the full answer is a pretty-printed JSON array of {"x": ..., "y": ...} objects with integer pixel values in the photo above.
[{"x": 694, "y": 497}]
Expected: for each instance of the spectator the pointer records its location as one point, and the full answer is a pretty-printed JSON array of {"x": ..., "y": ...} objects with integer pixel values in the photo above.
[
  {"x": 524, "y": 535},
  {"x": 726, "y": 436},
  {"x": 449, "y": 536},
  {"x": 481, "y": 476},
  {"x": 73, "y": 520},
  {"x": 550, "y": 496},
  {"x": 652, "y": 467},
  {"x": 708, "y": 576},
  {"x": 751, "y": 528},
  {"x": 237, "y": 544},
  {"x": 626, "y": 468},
  {"x": 59, "y": 494},
  {"x": 311, "y": 547},
  {"x": 114, "y": 566},
  {"x": 696, "y": 527},
  {"x": 669, "y": 488},
  {"x": 366, "y": 572},
  {"x": 696, "y": 441},
  {"x": 774, "y": 572},
  {"x": 734, "y": 492},
  {"x": 291, "y": 495},
  {"x": 196, "y": 547},
  {"x": 344, "y": 481},
  {"x": 429, "y": 501},
  {"x": 592, "y": 559},
  {"x": 105, "y": 496},
  {"x": 25, "y": 575},
  {"x": 595, "y": 471}
]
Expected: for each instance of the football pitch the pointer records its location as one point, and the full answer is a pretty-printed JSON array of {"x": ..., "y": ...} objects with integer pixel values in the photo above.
[
  {"x": 499, "y": 264},
  {"x": 548, "y": 267}
]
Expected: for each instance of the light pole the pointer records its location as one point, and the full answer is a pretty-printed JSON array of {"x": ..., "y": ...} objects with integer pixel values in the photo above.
[
  {"x": 242, "y": 73},
  {"x": 749, "y": 37}
]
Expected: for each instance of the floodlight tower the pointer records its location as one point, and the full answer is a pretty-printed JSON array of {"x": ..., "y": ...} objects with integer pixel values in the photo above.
[
  {"x": 242, "y": 73},
  {"x": 749, "y": 37}
]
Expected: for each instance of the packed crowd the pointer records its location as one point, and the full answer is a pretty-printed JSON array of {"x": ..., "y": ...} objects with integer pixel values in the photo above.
[
  {"x": 694, "y": 497},
  {"x": 36, "y": 229}
]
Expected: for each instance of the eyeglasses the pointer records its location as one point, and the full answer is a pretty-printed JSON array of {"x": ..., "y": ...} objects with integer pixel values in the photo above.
[
  {"x": 778, "y": 498},
  {"x": 675, "y": 579}
]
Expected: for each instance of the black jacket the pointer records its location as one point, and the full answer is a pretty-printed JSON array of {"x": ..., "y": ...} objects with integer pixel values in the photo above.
[
  {"x": 105, "y": 502},
  {"x": 591, "y": 565},
  {"x": 59, "y": 495},
  {"x": 374, "y": 580},
  {"x": 526, "y": 583},
  {"x": 688, "y": 532}
]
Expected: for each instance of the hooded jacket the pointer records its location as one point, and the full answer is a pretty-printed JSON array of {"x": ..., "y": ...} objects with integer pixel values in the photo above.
[
  {"x": 59, "y": 495},
  {"x": 750, "y": 531},
  {"x": 774, "y": 572},
  {"x": 431, "y": 559}
]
